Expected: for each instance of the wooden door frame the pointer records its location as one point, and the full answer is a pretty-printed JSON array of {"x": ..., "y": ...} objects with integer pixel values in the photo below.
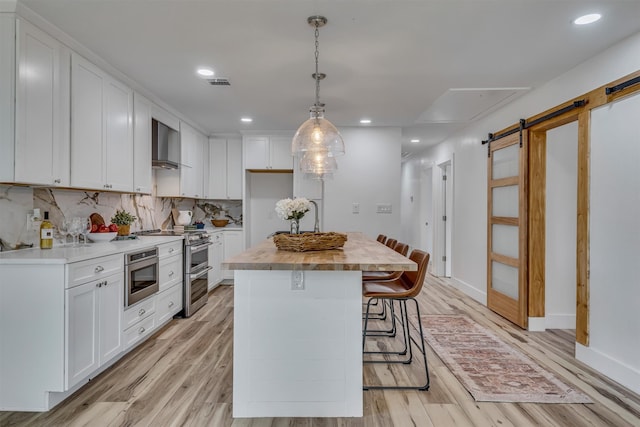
[{"x": 537, "y": 197}]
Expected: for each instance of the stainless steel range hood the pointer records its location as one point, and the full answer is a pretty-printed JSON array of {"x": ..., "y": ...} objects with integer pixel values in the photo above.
[{"x": 161, "y": 137}]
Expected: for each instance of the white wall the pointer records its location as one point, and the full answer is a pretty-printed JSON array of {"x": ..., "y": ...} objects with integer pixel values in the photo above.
[
  {"x": 561, "y": 225},
  {"x": 614, "y": 234},
  {"x": 368, "y": 174},
  {"x": 470, "y": 180},
  {"x": 266, "y": 190}
]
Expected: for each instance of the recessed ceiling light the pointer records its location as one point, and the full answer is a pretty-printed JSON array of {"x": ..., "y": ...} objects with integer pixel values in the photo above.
[
  {"x": 415, "y": 141},
  {"x": 246, "y": 119},
  {"x": 365, "y": 121},
  {"x": 205, "y": 72},
  {"x": 587, "y": 19}
]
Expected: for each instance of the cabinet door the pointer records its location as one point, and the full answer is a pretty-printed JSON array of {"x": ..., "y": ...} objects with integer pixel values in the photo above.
[
  {"x": 232, "y": 246},
  {"x": 235, "y": 172},
  {"x": 191, "y": 162},
  {"x": 111, "y": 306},
  {"x": 280, "y": 152},
  {"x": 215, "y": 259},
  {"x": 256, "y": 152},
  {"x": 7, "y": 95},
  {"x": 87, "y": 130},
  {"x": 217, "y": 169},
  {"x": 42, "y": 143},
  {"x": 142, "y": 173},
  {"x": 118, "y": 136},
  {"x": 82, "y": 332}
]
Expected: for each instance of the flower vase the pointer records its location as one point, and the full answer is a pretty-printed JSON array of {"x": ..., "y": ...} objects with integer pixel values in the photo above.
[{"x": 295, "y": 226}]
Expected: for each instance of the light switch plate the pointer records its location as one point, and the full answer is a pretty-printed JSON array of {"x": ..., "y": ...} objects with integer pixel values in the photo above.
[{"x": 383, "y": 208}]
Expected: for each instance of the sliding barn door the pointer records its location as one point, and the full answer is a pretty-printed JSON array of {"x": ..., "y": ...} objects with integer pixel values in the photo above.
[{"x": 507, "y": 228}]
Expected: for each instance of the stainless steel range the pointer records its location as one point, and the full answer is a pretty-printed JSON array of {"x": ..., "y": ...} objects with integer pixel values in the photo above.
[{"x": 195, "y": 266}]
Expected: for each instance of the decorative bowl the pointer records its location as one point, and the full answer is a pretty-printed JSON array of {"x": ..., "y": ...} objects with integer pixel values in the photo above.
[
  {"x": 102, "y": 237},
  {"x": 219, "y": 222}
]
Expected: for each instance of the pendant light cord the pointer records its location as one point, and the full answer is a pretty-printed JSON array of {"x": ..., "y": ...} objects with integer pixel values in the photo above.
[{"x": 317, "y": 75}]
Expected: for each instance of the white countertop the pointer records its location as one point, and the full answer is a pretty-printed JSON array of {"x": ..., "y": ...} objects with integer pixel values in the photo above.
[
  {"x": 227, "y": 227},
  {"x": 65, "y": 254}
]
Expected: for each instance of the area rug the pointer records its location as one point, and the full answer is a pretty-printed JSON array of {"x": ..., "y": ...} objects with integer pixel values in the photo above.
[{"x": 490, "y": 369}]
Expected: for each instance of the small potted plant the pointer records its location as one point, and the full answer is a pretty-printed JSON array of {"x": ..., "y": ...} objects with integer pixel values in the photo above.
[{"x": 123, "y": 220}]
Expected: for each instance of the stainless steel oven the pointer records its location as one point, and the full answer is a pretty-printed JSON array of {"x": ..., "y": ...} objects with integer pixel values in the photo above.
[
  {"x": 141, "y": 275},
  {"x": 196, "y": 271}
]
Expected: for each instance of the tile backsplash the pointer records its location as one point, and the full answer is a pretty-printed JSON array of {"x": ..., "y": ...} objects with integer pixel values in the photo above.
[{"x": 152, "y": 212}]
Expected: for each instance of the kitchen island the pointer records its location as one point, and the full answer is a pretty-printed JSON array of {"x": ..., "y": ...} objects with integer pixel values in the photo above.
[{"x": 298, "y": 328}]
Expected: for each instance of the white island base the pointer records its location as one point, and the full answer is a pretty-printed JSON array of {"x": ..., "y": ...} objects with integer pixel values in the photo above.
[{"x": 297, "y": 352}]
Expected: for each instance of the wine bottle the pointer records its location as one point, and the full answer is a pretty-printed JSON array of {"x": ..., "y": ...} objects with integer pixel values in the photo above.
[{"x": 46, "y": 233}]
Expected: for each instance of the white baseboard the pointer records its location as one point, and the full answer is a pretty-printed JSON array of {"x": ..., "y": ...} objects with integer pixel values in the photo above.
[
  {"x": 560, "y": 321},
  {"x": 536, "y": 324},
  {"x": 474, "y": 293},
  {"x": 614, "y": 369}
]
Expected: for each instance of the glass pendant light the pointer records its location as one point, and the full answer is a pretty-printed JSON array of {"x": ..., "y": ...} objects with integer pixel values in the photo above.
[{"x": 317, "y": 135}]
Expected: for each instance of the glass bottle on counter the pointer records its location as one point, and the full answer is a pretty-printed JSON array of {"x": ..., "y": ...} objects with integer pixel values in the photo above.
[{"x": 46, "y": 233}]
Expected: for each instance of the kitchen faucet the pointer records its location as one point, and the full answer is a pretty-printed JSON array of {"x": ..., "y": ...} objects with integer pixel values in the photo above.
[{"x": 316, "y": 224}]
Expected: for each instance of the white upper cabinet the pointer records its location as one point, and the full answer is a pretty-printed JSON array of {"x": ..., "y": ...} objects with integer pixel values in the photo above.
[
  {"x": 7, "y": 95},
  {"x": 42, "y": 108},
  {"x": 267, "y": 152},
  {"x": 225, "y": 169},
  {"x": 142, "y": 172},
  {"x": 101, "y": 129},
  {"x": 188, "y": 181}
]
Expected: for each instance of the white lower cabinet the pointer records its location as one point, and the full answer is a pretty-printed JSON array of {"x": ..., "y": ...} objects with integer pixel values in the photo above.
[
  {"x": 233, "y": 245},
  {"x": 170, "y": 302},
  {"x": 140, "y": 330},
  {"x": 93, "y": 324},
  {"x": 216, "y": 253}
]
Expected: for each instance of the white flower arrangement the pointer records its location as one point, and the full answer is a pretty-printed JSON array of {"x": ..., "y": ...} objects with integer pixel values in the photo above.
[{"x": 292, "y": 209}]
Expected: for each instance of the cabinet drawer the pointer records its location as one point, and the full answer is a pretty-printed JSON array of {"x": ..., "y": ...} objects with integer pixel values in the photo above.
[
  {"x": 138, "y": 332},
  {"x": 169, "y": 249},
  {"x": 170, "y": 272},
  {"x": 93, "y": 269},
  {"x": 169, "y": 303},
  {"x": 216, "y": 236},
  {"x": 138, "y": 312}
]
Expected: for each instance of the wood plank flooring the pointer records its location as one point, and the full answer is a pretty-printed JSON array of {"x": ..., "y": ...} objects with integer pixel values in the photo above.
[{"x": 182, "y": 376}]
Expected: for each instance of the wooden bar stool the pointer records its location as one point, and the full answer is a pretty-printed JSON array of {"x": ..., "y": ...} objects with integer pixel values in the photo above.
[
  {"x": 400, "y": 290},
  {"x": 382, "y": 238}
]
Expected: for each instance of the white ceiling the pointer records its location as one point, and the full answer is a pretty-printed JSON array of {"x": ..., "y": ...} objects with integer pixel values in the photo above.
[{"x": 387, "y": 60}]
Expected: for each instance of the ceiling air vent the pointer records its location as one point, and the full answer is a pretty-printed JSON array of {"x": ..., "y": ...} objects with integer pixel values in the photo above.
[{"x": 219, "y": 82}]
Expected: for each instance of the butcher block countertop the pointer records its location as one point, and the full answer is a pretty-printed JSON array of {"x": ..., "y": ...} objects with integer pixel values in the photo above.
[{"x": 359, "y": 253}]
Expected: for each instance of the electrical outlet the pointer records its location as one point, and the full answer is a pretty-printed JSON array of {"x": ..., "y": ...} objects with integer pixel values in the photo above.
[
  {"x": 297, "y": 280},
  {"x": 383, "y": 208},
  {"x": 356, "y": 208}
]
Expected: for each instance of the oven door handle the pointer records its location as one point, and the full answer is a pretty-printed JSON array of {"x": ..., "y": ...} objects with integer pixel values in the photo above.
[
  {"x": 200, "y": 247},
  {"x": 200, "y": 273}
]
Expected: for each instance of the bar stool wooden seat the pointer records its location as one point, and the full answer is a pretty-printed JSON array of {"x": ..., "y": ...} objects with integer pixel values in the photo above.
[
  {"x": 400, "y": 290},
  {"x": 382, "y": 238}
]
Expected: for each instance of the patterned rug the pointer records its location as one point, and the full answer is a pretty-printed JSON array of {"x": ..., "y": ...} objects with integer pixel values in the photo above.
[{"x": 490, "y": 369}]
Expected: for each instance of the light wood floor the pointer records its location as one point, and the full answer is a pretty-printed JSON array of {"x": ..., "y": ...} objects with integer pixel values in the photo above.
[{"x": 183, "y": 376}]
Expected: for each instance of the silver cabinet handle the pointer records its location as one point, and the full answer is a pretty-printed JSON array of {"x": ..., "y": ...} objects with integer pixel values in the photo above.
[
  {"x": 99, "y": 285},
  {"x": 57, "y": 181},
  {"x": 98, "y": 269},
  {"x": 171, "y": 273},
  {"x": 141, "y": 331},
  {"x": 138, "y": 189},
  {"x": 105, "y": 283},
  {"x": 171, "y": 250},
  {"x": 141, "y": 312},
  {"x": 170, "y": 304}
]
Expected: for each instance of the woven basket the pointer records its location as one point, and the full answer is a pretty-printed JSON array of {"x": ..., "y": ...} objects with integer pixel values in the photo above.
[{"x": 309, "y": 241}]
